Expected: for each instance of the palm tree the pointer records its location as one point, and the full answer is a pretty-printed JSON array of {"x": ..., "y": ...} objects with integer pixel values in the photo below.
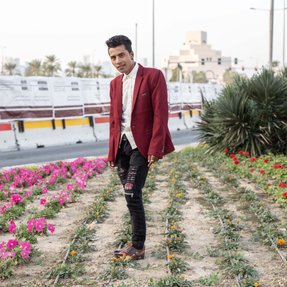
[
  {"x": 85, "y": 71},
  {"x": 97, "y": 71},
  {"x": 34, "y": 68},
  {"x": 71, "y": 70},
  {"x": 10, "y": 68},
  {"x": 51, "y": 66}
]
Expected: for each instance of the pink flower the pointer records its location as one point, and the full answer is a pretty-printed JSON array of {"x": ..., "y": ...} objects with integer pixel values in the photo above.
[
  {"x": 43, "y": 201},
  {"x": 44, "y": 190},
  {"x": 70, "y": 186},
  {"x": 12, "y": 243},
  {"x": 28, "y": 193},
  {"x": 51, "y": 228},
  {"x": 3, "y": 208},
  {"x": 12, "y": 227},
  {"x": 25, "y": 245},
  {"x": 16, "y": 198},
  {"x": 30, "y": 225},
  {"x": 61, "y": 200},
  {"x": 25, "y": 254}
]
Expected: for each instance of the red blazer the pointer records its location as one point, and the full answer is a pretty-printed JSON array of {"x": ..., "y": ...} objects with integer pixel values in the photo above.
[{"x": 149, "y": 120}]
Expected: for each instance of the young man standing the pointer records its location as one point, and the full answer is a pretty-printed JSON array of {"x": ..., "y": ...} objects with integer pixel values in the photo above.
[{"x": 139, "y": 134}]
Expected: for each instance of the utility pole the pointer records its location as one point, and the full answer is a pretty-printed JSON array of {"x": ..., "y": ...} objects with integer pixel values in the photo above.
[
  {"x": 136, "y": 41},
  {"x": 283, "y": 57},
  {"x": 271, "y": 34}
]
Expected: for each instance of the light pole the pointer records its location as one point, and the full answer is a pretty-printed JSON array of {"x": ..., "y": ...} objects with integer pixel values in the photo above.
[
  {"x": 136, "y": 41},
  {"x": 283, "y": 55},
  {"x": 271, "y": 34}
]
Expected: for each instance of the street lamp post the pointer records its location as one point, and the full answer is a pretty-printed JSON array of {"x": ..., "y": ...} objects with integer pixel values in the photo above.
[
  {"x": 271, "y": 34},
  {"x": 283, "y": 55}
]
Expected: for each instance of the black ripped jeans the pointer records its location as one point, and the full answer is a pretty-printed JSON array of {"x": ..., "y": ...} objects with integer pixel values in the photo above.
[{"x": 132, "y": 170}]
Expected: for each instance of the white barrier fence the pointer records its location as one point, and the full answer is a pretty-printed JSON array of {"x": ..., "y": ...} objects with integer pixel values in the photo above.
[{"x": 39, "y": 112}]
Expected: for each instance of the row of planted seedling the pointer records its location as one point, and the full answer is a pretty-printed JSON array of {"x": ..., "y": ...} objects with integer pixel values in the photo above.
[
  {"x": 81, "y": 242},
  {"x": 270, "y": 231},
  {"x": 116, "y": 269},
  {"x": 232, "y": 262},
  {"x": 174, "y": 243},
  {"x": 20, "y": 187}
]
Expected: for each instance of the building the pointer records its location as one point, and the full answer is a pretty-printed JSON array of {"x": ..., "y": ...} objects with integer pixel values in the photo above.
[{"x": 196, "y": 55}]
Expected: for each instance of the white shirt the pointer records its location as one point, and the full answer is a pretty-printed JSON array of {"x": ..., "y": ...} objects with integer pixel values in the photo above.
[{"x": 127, "y": 101}]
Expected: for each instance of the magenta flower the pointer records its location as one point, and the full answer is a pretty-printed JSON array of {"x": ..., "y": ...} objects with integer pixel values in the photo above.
[
  {"x": 12, "y": 243},
  {"x": 3, "y": 208},
  {"x": 28, "y": 193},
  {"x": 12, "y": 227},
  {"x": 51, "y": 228},
  {"x": 16, "y": 198},
  {"x": 30, "y": 225},
  {"x": 44, "y": 190},
  {"x": 43, "y": 201},
  {"x": 70, "y": 186},
  {"x": 25, "y": 245}
]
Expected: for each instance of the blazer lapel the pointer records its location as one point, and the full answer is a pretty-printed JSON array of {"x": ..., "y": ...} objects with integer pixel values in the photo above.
[
  {"x": 119, "y": 93},
  {"x": 139, "y": 78}
]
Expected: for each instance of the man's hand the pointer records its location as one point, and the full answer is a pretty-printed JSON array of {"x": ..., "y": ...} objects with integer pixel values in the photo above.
[
  {"x": 111, "y": 164},
  {"x": 151, "y": 160}
]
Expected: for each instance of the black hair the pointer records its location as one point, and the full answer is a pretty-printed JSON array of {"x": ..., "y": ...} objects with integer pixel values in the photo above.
[{"x": 118, "y": 40}]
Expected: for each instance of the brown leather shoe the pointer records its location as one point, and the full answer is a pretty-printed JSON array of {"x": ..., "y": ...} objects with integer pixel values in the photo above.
[{"x": 130, "y": 251}]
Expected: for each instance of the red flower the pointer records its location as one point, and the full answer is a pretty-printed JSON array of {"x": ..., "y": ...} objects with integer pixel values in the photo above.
[
  {"x": 266, "y": 160},
  {"x": 252, "y": 170},
  {"x": 225, "y": 150},
  {"x": 262, "y": 171},
  {"x": 233, "y": 155},
  {"x": 246, "y": 153},
  {"x": 284, "y": 194},
  {"x": 252, "y": 159},
  {"x": 277, "y": 165},
  {"x": 236, "y": 161},
  {"x": 282, "y": 184},
  {"x": 241, "y": 152}
]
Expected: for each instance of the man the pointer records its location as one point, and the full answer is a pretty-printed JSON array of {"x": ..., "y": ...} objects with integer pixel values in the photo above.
[{"x": 139, "y": 134}]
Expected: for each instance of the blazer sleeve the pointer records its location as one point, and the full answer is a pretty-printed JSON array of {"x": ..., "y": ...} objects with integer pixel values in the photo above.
[{"x": 160, "y": 116}]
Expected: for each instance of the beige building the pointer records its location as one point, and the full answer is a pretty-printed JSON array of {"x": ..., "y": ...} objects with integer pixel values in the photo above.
[{"x": 196, "y": 55}]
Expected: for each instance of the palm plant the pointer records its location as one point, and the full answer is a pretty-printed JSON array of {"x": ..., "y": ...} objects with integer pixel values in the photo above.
[
  {"x": 10, "y": 68},
  {"x": 34, "y": 68},
  {"x": 51, "y": 66},
  {"x": 71, "y": 71},
  {"x": 249, "y": 115},
  {"x": 85, "y": 71}
]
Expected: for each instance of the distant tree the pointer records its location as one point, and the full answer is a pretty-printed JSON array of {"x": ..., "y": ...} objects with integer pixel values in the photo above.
[
  {"x": 51, "y": 66},
  {"x": 85, "y": 71},
  {"x": 229, "y": 76},
  {"x": 199, "y": 77},
  {"x": 97, "y": 71},
  {"x": 71, "y": 71},
  {"x": 34, "y": 68},
  {"x": 10, "y": 68}
]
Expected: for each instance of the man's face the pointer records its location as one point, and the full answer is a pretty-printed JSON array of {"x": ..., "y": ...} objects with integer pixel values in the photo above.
[{"x": 121, "y": 59}]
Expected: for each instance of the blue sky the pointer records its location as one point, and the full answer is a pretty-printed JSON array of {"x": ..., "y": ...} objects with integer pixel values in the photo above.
[{"x": 32, "y": 29}]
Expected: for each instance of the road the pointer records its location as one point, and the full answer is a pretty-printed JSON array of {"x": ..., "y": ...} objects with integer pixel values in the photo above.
[{"x": 100, "y": 148}]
